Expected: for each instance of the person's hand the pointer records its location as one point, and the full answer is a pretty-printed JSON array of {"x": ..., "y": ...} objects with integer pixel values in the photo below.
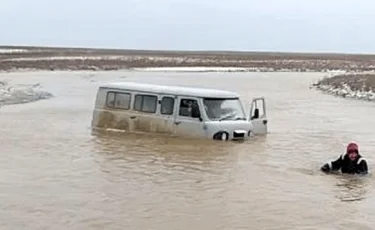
[{"x": 325, "y": 168}]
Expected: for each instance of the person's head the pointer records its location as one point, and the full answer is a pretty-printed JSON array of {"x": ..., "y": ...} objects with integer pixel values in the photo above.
[{"x": 352, "y": 150}]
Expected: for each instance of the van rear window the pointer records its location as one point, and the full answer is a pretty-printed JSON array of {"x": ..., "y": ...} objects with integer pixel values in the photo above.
[{"x": 118, "y": 100}]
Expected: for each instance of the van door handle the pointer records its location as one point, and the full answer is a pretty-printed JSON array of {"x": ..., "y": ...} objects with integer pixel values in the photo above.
[
  {"x": 132, "y": 117},
  {"x": 177, "y": 122}
]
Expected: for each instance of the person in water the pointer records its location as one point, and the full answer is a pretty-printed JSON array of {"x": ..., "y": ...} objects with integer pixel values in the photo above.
[{"x": 351, "y": 162}]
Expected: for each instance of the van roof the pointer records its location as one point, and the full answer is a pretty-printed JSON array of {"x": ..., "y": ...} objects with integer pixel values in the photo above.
[{"x": 171, "y": 89}]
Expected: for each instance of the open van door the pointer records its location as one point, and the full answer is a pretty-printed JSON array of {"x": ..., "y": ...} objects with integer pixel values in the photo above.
[{"x": 258, "y": 116}]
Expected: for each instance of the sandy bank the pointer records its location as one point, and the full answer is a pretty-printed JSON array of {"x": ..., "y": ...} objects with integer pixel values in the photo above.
[{"x": 355, "y": 85}]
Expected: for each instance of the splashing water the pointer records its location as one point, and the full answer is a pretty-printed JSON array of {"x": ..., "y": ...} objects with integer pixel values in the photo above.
[{"x": 21, "y": 93}]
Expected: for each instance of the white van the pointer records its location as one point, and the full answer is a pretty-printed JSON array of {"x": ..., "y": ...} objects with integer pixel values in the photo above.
[{"x": 177, "y": 111}]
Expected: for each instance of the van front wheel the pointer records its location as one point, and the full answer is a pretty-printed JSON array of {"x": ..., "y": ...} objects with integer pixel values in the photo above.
[{"x": 221, "y": 135}]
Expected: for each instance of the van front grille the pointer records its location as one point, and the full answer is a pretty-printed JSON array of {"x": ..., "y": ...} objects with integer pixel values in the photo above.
[{"x": 238, "y": 134}]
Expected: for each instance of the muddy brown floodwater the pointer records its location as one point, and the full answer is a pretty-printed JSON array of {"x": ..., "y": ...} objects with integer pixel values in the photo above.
[{"x": 56, "y": 174}]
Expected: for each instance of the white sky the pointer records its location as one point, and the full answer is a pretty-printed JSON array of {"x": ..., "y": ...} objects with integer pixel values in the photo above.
[{"x": 269, "y": 25}]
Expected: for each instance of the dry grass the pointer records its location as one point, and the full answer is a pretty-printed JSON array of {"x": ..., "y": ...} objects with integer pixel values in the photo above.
[{"x": 144, "y": 58}]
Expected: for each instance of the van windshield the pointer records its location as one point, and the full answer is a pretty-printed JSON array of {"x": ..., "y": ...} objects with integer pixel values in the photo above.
[{"x": 219, "y": 109}]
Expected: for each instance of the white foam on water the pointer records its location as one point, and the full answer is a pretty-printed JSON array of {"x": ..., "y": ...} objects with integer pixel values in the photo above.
[
  {"x": 224, "y": 69},
  {"x": 21, "y": 93},
  {"x": 97, "y": 57},
  {"x": 52, "y": 58},
  {"x": 10, "y": 51},
  {"x": 196, "y": 69}
]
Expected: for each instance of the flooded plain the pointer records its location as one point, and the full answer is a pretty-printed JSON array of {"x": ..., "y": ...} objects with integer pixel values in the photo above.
[{"x": 57, "y": 174}]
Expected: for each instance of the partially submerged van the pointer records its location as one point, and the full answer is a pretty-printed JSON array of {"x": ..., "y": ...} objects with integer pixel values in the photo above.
[{"x": 177, "y": 111}]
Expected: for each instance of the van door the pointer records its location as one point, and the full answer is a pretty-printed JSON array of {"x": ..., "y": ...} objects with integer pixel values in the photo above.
[
  {"x": 188, "y": 120},
  {"x": 145, "y": 116},
  {"x": 258, "y": 116},
  {"x": 167, "y": 112}
]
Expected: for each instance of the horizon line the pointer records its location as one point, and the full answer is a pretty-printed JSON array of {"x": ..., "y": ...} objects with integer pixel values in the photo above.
[{"x": 88, "y": 48}]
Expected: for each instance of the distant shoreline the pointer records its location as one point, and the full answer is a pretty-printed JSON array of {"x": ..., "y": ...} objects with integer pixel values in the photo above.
[
  {"x": 347, "y": 70},
  {"x": 48, "y": 58}
]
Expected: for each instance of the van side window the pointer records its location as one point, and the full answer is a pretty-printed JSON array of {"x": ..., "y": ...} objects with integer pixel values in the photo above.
[
  {"x": 110, "y": 101},
  {"x": 145, "y": 103},
  {"x": 187, "y": 107},
  {"x": 167, "y": 106},
  {"x": 118, "y": 100}
]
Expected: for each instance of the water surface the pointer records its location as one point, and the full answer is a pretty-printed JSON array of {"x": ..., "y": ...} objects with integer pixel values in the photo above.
[{"x": 55, "y": 173}]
